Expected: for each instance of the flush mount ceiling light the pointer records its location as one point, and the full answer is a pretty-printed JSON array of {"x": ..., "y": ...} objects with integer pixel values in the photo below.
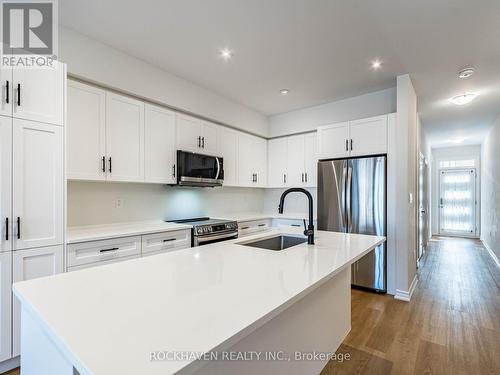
[
  {"x": 466, "y": 72},
  {"x": 456, "y": 140},
  {"x": 463, "y": 99},
  {"x": 284, "y": 91},
  {"x": 226, "y": 54},
  {"x": 376, "y": 64}
]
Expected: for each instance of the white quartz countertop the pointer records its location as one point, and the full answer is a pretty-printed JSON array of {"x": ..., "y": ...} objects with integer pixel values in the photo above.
[
  {"x": 115, "y": 230},
  {"x": 108, "y": 319}
]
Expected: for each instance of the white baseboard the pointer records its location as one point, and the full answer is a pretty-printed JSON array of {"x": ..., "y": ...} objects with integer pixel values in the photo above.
[
  {"x": 492, "y": 254},
  {"x": 404, "y": 295}
]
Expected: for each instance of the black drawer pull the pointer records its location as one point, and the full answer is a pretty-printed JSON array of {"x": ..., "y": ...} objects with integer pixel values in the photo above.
[
  {"x": 6, "y": 229},
  {"x": 245, "y": 227},
  {"x": 295, "y": 225},
  {"x": 18, "y": 228},
  {"x": 7, "y": 92},
  {"x": 106, "y": 250},
  {"x": 169, "y": 239},
  {"x": 18, "y": 94},
  {"x": 103, "y": 160},
  {"x": 262, "y": 225}
]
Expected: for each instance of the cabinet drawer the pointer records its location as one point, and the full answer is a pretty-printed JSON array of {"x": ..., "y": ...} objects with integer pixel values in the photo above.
[
  {"x": 98, "y": 251},
  {"x": 166, "y": 241},
  {"x": 101, "y": 263},
  {"x": 288, "y": 223},
  {"x": 246, "y": 228}
]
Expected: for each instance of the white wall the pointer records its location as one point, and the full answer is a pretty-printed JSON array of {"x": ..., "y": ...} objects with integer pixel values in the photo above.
[
  {"x": 490, "y": 190},
  {"x": 307, "y": 119},
  {"x": 452, "y": 153},
  {"x": 96, "y": 62},
  {"x": 95, "y": 202},
  {"x": 295, "y": 203}
]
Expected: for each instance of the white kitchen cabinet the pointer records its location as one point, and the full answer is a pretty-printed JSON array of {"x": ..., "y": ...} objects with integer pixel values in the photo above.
[
  {"x": 5, "y": 183},
  {"x": 157, "y": 243},
  {"x": 277, "y": 175},
  {"x": 252, "y": 161},
  {"x": 246, "y": 228},
  {"x": 310, "y": 160},
  {"x": 38, "y": 184},
  {"x": 196, "y": 135},
  {"x": 296, "y": 166},
  {"x": 227, "y": 142},
  {"x": 124, "y": 138},
  {"x": 368, "y": 136},
  {"x": 31, "y": 264},
  {"x": 6, "y": 95},
  {"x": 160, "y": 150},
  {"x": 5, "y": 306},
  {"x": 38, "y": 94},
  {"x": 333, "y": 141},
  {"x": 86, "y": 132}
]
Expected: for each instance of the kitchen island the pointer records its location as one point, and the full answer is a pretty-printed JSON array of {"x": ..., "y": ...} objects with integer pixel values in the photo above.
[{"x": 223, "y": 308}]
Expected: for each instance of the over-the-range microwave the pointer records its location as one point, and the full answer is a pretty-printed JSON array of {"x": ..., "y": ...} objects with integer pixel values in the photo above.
[{"x": 199, "y": 170}]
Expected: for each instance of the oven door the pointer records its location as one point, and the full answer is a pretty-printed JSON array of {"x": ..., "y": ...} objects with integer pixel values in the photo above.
[
  {"x": 208, "y": 239},
  {"x": 199, "y": 170}
]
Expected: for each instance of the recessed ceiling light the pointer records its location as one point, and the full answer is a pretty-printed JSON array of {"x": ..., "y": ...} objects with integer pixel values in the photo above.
[
  {"x": 463, "y": 99},
  {"x": 284, "y": 91},
  {"x": 456, "y": 140},
  {"x": 226, "y": 54},
  {"x": 466, "y": 72},
  {"x": 376, "y": 64}
]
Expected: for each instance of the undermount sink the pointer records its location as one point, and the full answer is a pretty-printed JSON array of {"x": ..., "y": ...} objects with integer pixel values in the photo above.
[{"x": 276, "y": 243}]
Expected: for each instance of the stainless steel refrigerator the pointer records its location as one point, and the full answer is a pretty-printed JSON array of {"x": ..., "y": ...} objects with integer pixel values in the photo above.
[{"x": 352, "y": 198}]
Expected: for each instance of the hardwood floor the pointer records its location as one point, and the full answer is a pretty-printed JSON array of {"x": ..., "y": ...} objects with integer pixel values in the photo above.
[{"x": 451, "y": 325}]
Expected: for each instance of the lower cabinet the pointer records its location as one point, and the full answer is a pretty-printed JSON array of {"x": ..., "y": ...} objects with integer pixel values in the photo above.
[
  {"x": 31, "y": 264},
  {"x": 5, "y": 306},
  {"x": 246, "y": 228},
  {"x": 162, "y": 242}
]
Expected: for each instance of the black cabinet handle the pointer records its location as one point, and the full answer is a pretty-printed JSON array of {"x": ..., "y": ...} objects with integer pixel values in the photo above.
[
  {"x": 347, "y": 145},
  {"x": 106, "y": 250},
  {"x": 199, "y": 141},
  {"x": 6, "y": 229},
  {"x": 351, "y": 144},
  {"x": 202, "y": 142},
  {"x": 18, "y": 228},
  {"x": 305, "y": 174},
  {"x": 7, "y": 92},
  {"x": 18, "y": 94},
  {"x": 169, "y": 239},
  {"x": 295, "y": 225},
  {"x": 103, "y": 163},
  {"x": 110, "y": 165},
  {"x": 173, "y": 170},
  {"x": 245, "y": 227},
  {"x": 261, "y": 225}
]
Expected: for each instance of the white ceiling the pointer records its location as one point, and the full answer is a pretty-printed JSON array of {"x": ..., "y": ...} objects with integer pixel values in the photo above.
[{"x": 320, "y": 49}]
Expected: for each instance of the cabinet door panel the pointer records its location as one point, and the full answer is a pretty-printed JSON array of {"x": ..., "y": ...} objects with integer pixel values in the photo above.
[
  {"x": 38, "y": 184},
  {"x": 5, "y": 182},
  {"x": 369, "y": 136},
  {"x": 260, "y": 152},
  {"x": 246, "y": 160},
  {"x": 277, "y": 162},
  {"x": 124, "y": 138},
  {"x": 27, "y": 265},
  {"x": 86, "y": 132},
  {"x": 296, "y": 172},
  {"x": 332, "y": 141},
  {"x": 5, "y": 306},
  {"x": 310, "y": 160},
  {"x": 40, "y": 93},
  {"x": 228, "y": 150},
  {"x": 209, "y": 141},
  {"x": 160, "y": 145},
  {"x": 188, "y": 133},
  {"x": 6, "y": 95}
]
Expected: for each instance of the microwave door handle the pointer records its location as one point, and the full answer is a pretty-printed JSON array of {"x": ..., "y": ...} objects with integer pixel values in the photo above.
[{"x": 218, "y": 168}]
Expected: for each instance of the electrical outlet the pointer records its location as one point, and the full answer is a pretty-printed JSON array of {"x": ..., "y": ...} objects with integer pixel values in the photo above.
[{"x": 119, "y": 203}]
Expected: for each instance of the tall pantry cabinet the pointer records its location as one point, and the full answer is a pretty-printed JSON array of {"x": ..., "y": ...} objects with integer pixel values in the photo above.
[{"x": 32, "y": 186}]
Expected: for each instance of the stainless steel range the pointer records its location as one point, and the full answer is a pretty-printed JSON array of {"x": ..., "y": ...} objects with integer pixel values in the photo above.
[{"x": 206, "y": 230}]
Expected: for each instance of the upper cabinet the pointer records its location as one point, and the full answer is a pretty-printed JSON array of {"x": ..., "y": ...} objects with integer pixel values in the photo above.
[
  {"x": 252, "y": 161},
  {"x": 160, "y": 145},
  {"x": 353, "y": 138},
  {"x": 6, "y": 96},
  {"x": 196, "y": 135},
  {"x": 124, "y": 138},
  {"x": 227, "y": 141},
  {"x": 292, "y": 161},
  {"x": 86, "y": 132}
]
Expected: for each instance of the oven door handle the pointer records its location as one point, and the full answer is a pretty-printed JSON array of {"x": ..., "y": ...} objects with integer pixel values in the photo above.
[
  {"x": 218, "y": 168},
  {"x": 216, "y": 237}
]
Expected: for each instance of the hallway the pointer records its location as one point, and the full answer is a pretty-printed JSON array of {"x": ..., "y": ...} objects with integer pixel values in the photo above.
[{"x": 451, "y": 325}]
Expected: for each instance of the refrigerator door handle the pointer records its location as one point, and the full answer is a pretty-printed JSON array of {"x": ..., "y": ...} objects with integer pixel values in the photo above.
[
  {"x": 348, "y": 197},
  {"x": 343, "y": 197}
]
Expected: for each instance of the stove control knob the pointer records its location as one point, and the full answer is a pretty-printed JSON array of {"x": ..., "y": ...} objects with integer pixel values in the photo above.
[{"x": 199, "y": 230}]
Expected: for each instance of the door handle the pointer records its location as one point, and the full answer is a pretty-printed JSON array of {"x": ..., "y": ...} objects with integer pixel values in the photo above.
[
  {"x": 103, "y": 160},
  {"x": 18, "y": 228},
  {"x": 7, "y": 92},
  {"x": 6, "y": 229},
  {"x": 18, "y": 94},
  {"x": 110, "y": 165}
]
